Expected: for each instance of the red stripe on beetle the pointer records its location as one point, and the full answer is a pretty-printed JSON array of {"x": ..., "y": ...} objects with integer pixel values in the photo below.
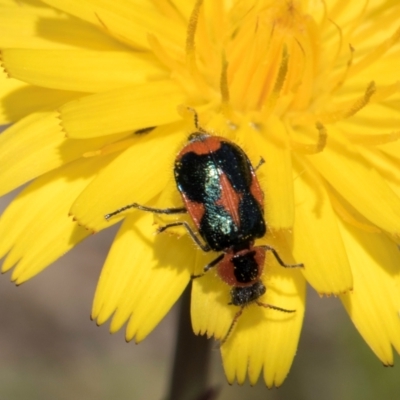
[
  {"x": 197, "y": 210},
  {"x": 205, "y": 145},
  {"x": 230, "y": 199}
]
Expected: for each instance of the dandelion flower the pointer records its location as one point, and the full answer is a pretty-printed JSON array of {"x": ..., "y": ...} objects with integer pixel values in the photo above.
[{"x": 310, "y": 86}]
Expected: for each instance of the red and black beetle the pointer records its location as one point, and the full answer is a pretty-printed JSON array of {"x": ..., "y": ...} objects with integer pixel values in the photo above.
[{"x": 222, "y": 195}]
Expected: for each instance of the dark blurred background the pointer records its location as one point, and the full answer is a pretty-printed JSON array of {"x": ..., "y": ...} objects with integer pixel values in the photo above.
[{"x": 50, "y": 350}]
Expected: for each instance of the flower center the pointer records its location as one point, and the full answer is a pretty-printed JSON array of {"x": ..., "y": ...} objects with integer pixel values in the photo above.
[
  {"x": 271, "y": 59},
  {"x": 268, "y": 58}
]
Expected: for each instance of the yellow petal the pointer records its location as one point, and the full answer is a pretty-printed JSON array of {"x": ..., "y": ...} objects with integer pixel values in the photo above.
[
  {"x": 275, "y": 176},
  {"x": 127, "y": 21},
  {"x": 265, "y": 338},
  {"x": 7, "y": 87},
  {"x": 374, "y": 304},
  {"x": 377, "y": 117},
  {"x": 317, "y": 240},
  {"x": 352, "y": 177},
  {"x": 184, "y": 7},
  {"x": 393, "y": 149},
  {"x": 36, "y": 145},
  {"x": 387, "y": 64},
  {"x": 80, "y": 70},
  {"x": 46, "y": 28},
  {"x": 137, "y": 175},
  {"x": 261, "y": 338},
  {"x": 385, "y": 165},
  {"x": 143, "y": 277},
  {"x": 36, "y": 229},
  {"x": 121, "y": 110},
  {"x": 20, "y": 99},
  {"x": 210, "y": 312}
]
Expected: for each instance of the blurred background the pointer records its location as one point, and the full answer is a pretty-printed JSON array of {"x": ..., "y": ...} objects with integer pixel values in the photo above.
[{"x": 50, "y": 349}]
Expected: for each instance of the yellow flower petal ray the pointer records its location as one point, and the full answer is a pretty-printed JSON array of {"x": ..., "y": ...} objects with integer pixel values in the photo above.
[
  {"x": 184, "y": 7},
  {"x": 382, "y": 209},
  {"x": 35, "y": 145},
  {"x": 45, "y": 28},
  {"x": 120, "y": 110},
  {"x": 209, "y": 299},
  {"x": 142, "y": 278},
  {"x": 28, "y": 100},
  {"x": 317, "y": 240},
  {"x": 275, "y": 175},
  {"x": 120, "y": 276},
  {"x": 375, "y": 302},
  {"x": 7, "y": 87},
  {"x": 386, "y": 63},
  {"x": 136, "y": 176},
  {"x": 260, "y": 334},
  {"x": 392, "y": 149},
  {"x": 265, "y": 338},
  {"x": 20, "y": 99},
  {"x": 342, "y": 12},
  {"x": 383, "y": 22},
  {"x": 386, "y": 167},
  {"x": 80, "y": 70},
  {"x": 35, "y": 228},
  {"x": 374, "y": 118},
  {"x": 128, "y": 21}
]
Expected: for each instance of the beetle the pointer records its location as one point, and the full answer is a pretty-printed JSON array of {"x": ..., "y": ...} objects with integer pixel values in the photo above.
[{"x": 223, "y": 197}]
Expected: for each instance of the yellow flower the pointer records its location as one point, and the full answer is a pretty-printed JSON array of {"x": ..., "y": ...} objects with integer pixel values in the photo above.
[{"x": 310, "y": 86}]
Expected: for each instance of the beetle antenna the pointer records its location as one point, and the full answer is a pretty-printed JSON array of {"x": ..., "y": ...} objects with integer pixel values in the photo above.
[
  {"x": 233, "y": 323},
  {"x": 265, "y": 305},
  {"x": 196, "y": 120}
]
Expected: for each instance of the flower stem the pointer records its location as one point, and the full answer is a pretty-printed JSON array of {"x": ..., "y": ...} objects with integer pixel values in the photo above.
[{"x": 191, "y": 360}]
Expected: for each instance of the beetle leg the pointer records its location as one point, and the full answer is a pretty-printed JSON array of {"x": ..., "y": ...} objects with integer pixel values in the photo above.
[
  {"x": 213, "y": 263},
  {"x": 210, "y": 265},
  {"x": 279, "y": 259},
  {"x": 178, "y": 210},
  {"x": 203, "y": 246}
]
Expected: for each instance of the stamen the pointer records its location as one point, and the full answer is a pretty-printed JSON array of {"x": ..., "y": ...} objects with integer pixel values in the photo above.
[
  {"x": 191, "y": 33},
  {"x": 333, "y": 61},
  {"x": 224, "y": 83},
  {"x": 343, "y": 77},
  {"x": 281, "y": 77},
  {"x": 310, "y": 149},
  {"x": 347, "y": 112},
  {"x": 384, "y": 92},
  {"x": 361, "y": 103},
  {"x": 304, "y": 93}
]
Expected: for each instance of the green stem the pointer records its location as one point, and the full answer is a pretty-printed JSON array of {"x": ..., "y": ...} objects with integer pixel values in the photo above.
[{"x": 191, "y": 360}]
